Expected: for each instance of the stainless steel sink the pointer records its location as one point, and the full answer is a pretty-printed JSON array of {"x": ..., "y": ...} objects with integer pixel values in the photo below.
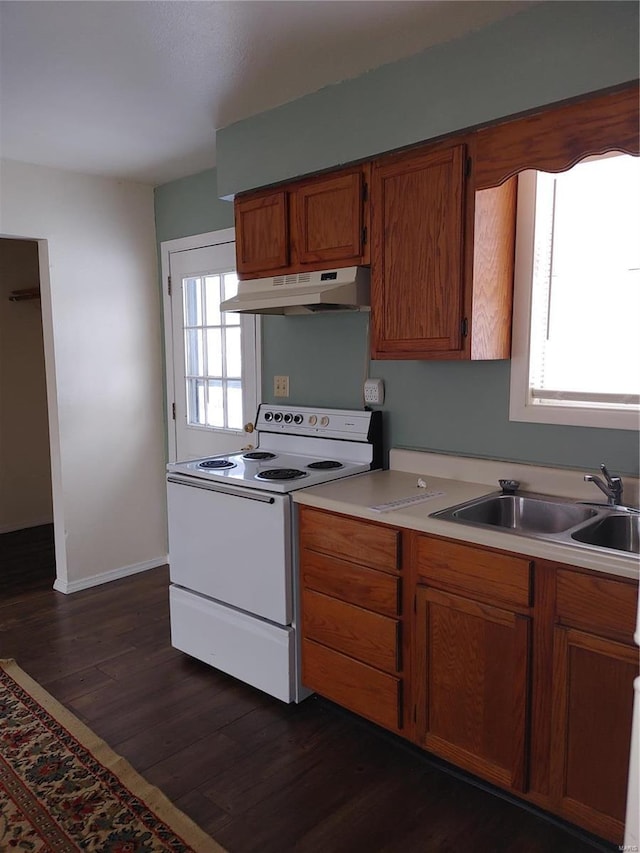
[
  {"x": 620, "y": 531},
  {"x": 523, "y": 513},
  {"x": 553, "y": 519}
]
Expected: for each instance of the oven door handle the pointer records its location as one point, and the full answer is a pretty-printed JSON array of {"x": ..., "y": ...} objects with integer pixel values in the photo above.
[{"x": 226, "y": 490}]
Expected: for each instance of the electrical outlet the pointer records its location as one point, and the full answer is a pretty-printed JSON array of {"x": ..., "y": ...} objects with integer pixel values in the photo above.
[
  {"x": 374, "y": 391},
  {"x": 280, "y": 386}
]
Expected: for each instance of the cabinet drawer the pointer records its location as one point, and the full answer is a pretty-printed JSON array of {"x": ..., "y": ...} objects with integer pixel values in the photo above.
[
  {"x": 372, "y": 544},
  {"x": 358, "y": 585},
  {"x": 487, "y": 574},
  {"x": 364, "y": 635},
  {"x": 354, "y": 685},
  {"x": 600, "y": 605}
]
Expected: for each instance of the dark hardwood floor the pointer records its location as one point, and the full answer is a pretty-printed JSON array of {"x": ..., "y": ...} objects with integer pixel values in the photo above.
[{"x": 256, "y": 774}]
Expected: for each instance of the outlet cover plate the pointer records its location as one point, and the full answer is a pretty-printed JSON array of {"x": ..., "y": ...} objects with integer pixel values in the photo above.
[
  {"x": 374, "y": 391},
  {"x": 280, "y": 386}
]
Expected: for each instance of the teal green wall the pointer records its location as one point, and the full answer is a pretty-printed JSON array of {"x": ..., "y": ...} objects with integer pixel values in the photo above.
[
  {"x": 549, "y": 52},
  {"x": 190, "y": 206},
  {"x": 448, "y": 407},
  {"x": 451, "y": 407}
]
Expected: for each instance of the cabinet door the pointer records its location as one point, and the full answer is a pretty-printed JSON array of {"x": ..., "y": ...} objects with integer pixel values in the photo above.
[
  {"x": 262, "y": 233},
  {"x": 418, "y": 214},
  {"x": 472, "y": 679},
  {"x": 591, "y": 729},
  {"x": 328, "y": 217}
]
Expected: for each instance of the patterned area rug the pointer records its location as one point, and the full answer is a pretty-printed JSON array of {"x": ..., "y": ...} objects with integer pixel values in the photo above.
[{"x": 62, "y": 789}]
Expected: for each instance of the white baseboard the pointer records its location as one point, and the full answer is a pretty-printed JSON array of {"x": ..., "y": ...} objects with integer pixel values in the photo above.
[
  {"x": 22, "y": 525},
  {"x": 68, "y": 587}
]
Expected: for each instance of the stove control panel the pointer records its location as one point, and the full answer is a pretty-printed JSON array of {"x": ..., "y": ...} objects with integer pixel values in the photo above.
[{"x": 300, "y": 420}]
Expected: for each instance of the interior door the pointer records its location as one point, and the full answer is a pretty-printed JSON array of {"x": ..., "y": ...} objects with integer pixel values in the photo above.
[{"x": 214, "y": 356}]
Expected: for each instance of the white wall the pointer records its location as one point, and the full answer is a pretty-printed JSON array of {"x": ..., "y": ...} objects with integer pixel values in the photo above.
[
  {"x": 25, "y": 467},
  {"x": 102, "y": 339}
]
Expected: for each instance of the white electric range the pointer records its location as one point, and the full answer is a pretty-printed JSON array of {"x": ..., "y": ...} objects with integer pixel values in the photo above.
[{"x": 232, "y": 540}]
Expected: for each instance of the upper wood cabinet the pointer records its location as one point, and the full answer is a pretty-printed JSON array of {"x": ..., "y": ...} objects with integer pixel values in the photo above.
[
  {"x": 262, "y": 233},
  {"x": 328, "y": 219},
  {"x": 307, "y": 225},
  {"x": 442, "y": 258},
  {"x": 418, "y": 226},
  {"x": 442, "y": 225}
]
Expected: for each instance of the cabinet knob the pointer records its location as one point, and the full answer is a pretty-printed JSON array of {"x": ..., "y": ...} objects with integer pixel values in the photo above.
[{"x": 248, "y": 427}]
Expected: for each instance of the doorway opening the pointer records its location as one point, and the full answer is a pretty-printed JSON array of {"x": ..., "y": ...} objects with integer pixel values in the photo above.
[{"x": 26, "y": 507}]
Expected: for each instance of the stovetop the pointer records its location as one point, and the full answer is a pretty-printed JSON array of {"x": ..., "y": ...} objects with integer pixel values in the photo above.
[
  {"x": 296, "y": 447},
  {"x": 294, "y": 471}
]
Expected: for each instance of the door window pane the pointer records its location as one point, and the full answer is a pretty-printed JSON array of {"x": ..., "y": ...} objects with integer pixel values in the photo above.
[
  {"x": 195, "y": 352},
  {"x": 212, "y": 299},
  {"x": 233, "y": 353},
  {"x": 213, "y": 352},
  {"x": 215, "y": 404},
  {"x": 195, "y": 402},
  {"x": 234, "y": 404},
  {"x": 193, "y": 302}
]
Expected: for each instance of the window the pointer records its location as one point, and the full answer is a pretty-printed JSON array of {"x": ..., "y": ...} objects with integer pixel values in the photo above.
[
  {"x": 576, "y": 336},
  {"x": 213, "y": 353}
]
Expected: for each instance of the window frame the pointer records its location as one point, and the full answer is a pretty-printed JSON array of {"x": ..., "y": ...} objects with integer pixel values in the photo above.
[{"x": 521, "y": 408}]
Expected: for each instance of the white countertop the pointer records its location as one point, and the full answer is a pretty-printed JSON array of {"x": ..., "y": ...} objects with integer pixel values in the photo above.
[{"x": 357, "y": 495}]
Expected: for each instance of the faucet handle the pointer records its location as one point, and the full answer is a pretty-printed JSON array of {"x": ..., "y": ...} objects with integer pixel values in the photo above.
[
  {"x": 610, "y": 480},
  {"x": 509, "y": 487}
]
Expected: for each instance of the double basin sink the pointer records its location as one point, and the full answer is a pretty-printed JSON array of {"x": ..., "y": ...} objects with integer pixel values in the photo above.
[{"x": 550, "y": 518}]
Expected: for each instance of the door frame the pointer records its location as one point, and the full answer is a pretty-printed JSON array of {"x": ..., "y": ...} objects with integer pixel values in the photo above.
[{"x": 182, "y": 244}]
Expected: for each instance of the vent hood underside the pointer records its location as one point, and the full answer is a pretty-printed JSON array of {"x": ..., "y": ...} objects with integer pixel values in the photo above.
[{"x": 306, "y": 293}]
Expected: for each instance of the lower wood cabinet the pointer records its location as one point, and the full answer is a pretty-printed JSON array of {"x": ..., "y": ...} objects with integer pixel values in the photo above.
[
  {"x": 352, "y": 623},
  {"x": 472, "y": 676},
  {"x": 592, "y": 706},
  {"x": 361, "y": 688},
  {"x": 594, "y": 664},
  {"x": 363, "y": 634},
  {"x": 519, "y": 672}
]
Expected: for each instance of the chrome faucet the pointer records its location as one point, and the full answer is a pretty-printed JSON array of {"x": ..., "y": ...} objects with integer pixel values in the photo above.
[{"x": 612, "y": 488}]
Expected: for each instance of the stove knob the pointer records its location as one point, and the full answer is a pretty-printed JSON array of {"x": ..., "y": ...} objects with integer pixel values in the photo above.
[
  {"x": 268, "y": 416},
  {"x": 313, "y": 420},
  {"x": 288, "y": 418},
  {"x": 277, "y": 417},
  {"x": 324, "y": 421},
  {"x": 297, "y": 419}
]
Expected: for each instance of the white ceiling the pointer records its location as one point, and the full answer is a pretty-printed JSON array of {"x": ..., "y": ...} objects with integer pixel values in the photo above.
[{"x": 136, "y": 90}]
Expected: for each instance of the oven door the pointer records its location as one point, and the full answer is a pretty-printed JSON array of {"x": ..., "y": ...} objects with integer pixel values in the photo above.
[{"x": 232, "y": 544}]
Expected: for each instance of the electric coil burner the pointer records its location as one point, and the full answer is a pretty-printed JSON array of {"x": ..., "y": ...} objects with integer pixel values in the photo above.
[
  {"x": 325, "y": 465},
  {"x": 258, "y": 455},
  {"x": 281, "y": 474},
  {"x": 216, "y": 464},
  {"x": 234, "y": 597}
]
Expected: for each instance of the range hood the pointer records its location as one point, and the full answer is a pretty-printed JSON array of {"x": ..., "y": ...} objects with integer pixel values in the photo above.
[{"x": 304, "y": 293}]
